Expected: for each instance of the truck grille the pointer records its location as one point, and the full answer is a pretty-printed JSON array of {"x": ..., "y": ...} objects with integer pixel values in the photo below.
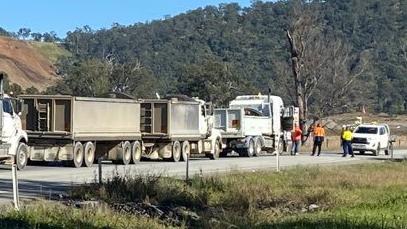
[{"x": 360, "y": 140}]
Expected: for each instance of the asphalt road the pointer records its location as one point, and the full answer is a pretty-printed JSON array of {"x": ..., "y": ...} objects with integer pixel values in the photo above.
[{"x": 50, "y": 180}]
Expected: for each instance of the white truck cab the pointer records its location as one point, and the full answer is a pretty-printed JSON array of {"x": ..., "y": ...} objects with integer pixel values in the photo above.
[
  {"x": 253, "y": 124},
  {"x": 13, "y": 143},
  {"x": 372, "y": 138}
]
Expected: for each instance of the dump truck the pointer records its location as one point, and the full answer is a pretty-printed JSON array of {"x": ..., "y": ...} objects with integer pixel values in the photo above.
[
  {"x": 13, "y": 139},
  {"x": 177, "y": 126},
  {"x": 253, "y": 124},
  {"x": 78, "y": 130}
]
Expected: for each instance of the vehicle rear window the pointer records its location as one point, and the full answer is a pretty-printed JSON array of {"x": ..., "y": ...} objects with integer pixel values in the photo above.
[{"x": 366, "y": 130}]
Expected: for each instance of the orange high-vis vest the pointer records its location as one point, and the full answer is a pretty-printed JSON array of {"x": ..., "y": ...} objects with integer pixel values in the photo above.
[{"x": 319, "y": 132}]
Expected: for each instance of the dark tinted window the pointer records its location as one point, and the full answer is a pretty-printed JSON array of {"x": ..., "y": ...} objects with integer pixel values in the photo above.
[
  {"x": 7, "y": 106},
  {"x": 366, "y": 130},
  {"x": 382, "y": 131}
]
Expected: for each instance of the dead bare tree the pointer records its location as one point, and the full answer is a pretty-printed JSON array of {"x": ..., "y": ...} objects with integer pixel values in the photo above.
[
  {"x": 342, "y": 72},
  {"x": 303, "y": 37}
]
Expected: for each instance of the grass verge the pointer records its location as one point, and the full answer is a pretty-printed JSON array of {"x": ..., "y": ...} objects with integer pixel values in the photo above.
[
  {"x": 55, "y": 215},
  {"x": 354, "y": 196}
]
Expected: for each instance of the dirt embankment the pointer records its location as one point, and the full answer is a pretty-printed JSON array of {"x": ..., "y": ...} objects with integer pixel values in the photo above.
[{"x": 24, "y": 65}]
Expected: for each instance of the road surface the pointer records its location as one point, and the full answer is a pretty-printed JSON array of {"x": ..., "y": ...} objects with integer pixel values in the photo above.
[{"x": 47, "y": 180}]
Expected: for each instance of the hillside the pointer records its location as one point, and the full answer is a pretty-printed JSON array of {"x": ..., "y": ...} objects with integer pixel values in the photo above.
[
  {"x": 29, "y": 64},
  {"x": 217, "y": 52}
]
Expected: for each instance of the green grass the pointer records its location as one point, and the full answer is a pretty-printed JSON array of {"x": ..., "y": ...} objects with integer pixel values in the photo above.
[
  {"x": 51, "y": 215},
  {"x": 50, "y": 50},
  {"x": 354, "y": 196}
]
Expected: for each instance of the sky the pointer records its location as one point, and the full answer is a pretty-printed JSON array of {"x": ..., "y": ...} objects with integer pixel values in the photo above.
[{"x": 62, "y": 16}]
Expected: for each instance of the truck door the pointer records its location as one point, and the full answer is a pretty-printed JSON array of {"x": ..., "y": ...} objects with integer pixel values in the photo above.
[{"x": 8, "y": 127}]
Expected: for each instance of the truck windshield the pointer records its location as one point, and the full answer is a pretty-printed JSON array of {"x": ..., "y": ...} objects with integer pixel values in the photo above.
[{"x": 366, "y": 130}]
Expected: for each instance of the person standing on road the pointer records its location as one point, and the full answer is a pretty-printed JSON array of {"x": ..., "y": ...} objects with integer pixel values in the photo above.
[
  {"x": 296, "y": 139},
  {"x": 347, "y": 143},
  {"x": 341, "y": 136},
  {"x": 319, "y": 135}
]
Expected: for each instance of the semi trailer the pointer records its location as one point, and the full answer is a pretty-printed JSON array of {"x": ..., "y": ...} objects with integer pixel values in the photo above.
[
  {"x": 253, "y": 124},
  {"x": 13, "y": 139},
  {"x": 77, "y": 130},
  {"x": 174, "y": 127}
]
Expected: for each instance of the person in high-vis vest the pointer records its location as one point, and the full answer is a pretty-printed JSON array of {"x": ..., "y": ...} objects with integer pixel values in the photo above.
[
  {"x": 296, "y": 136},
  {"x": 319, "y": 135},
  {"x": 347, "y": 143}
]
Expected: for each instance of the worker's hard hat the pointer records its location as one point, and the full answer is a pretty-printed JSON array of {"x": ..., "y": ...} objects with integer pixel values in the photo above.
[{"x": 344, "y": 126}]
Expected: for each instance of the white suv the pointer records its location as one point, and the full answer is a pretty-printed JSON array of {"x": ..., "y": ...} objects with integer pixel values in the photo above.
[{"x": 373, "y": 138}]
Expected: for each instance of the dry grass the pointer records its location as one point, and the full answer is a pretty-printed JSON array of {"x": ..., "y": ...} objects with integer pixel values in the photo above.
[{"x": 355, "y": 196}]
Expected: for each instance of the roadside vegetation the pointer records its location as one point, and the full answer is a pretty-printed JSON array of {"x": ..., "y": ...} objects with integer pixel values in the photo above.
[{"x": 354, "y": 196}]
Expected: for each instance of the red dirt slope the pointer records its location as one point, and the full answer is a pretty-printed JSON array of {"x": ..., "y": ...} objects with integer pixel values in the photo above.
[{"x": 24, "y": 65}]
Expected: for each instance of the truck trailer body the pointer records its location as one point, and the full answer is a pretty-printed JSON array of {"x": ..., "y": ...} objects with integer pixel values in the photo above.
[
  {"x": 253, "y": 123},
  {"x": 77, "y": 130},
  {"x": 173, "y": 128}
]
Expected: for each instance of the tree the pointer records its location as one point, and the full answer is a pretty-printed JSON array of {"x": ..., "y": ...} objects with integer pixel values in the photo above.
[
  {"x": 87, "y": 77},
  {"x": 24, "y": 33},
  {"x": 132, "y": 78},
  {"x": 31, "y": 91},
  {"x": 50, "y": 37},
  {"x": 319, "y": 61},
  {"x": 211, "y": 81},
  {"x": 36, "y": 36},
  {"x": 4, "y": 32}
]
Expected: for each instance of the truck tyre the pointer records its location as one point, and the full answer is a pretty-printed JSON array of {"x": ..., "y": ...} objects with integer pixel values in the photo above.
[
  {"x": 216, "y": 151},
  {"x": 223, "y": 153},
  {"x": 176, "y": 151},
  {"x": 89, "y": 154},
  {"x": 21, "y": 157},
  {"x": 386, "y": 151},
  {"x": 377, "y": 151},
  {"x": 186, "y": 150},
  {"x": 136, "y": 152},
  {"x": 77, "y": 155},
  {"x": 125, "y": 153},
  {"x": 257, "y": 147},
  {"x": 249, "y": 152}
]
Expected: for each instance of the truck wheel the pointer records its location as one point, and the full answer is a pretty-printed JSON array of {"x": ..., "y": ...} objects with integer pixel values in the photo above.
[
  {"x": 223, "y": 153},
  {"x": 216, "y": 151},
  {"x": 257, "y": 147},
  {"x": 21, "y": 157},
  {"x": 250, "y": 149},
  {"x": 89, "y": 155},
  {"x": 186, "y": 150},
  {"x": 136, "y": 152},
  {"x": 77, "y": 155},
  {"x": 386, "y": 151},
  {"x": 125, "y": 153},
  {"x": 176, "y": 151},
  {"x": 377, "y": 151}
]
